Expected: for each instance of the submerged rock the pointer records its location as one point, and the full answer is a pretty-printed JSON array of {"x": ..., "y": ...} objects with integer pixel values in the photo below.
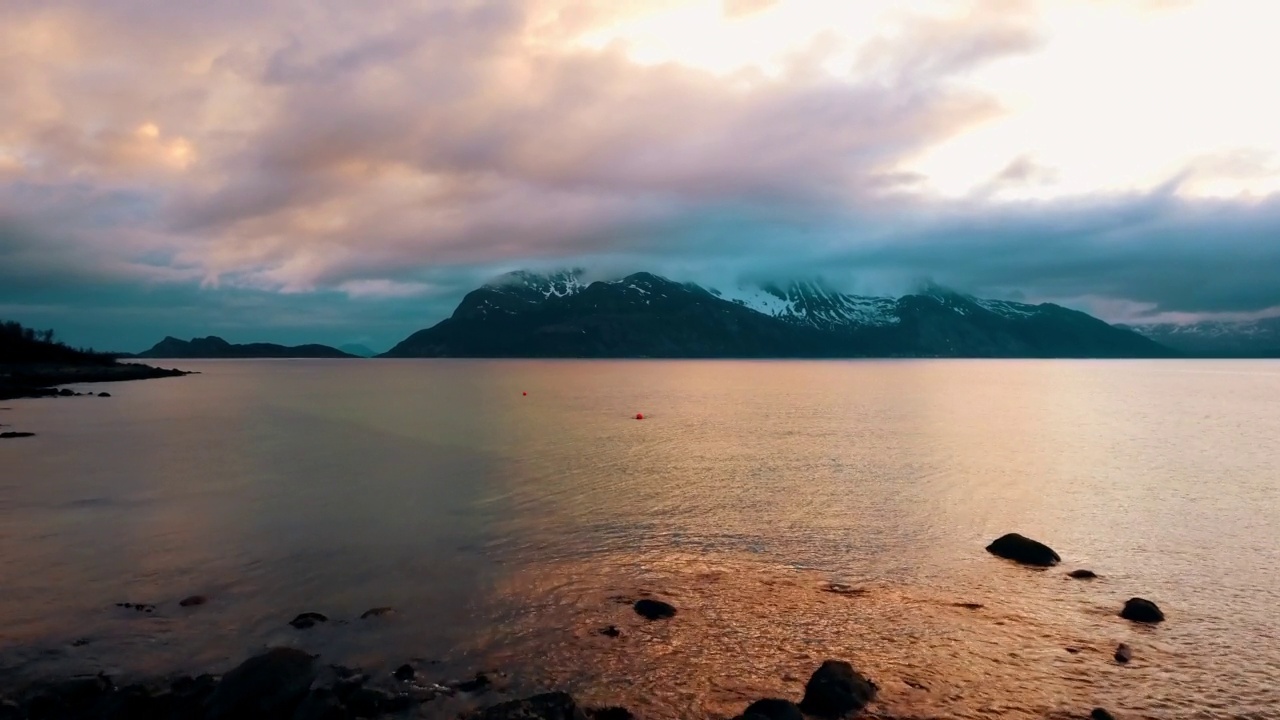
[
  {"x": 12, "y": 434},
  {"x": 548, "y": 706},
  {"x": 404, "y": 673},
  {"x": 266, "y": 687},
  {"x": 480, "y": 683},
  {"x": 771, "y": 709},
  {"x": 140, "y": 607},
  {"x": 104, "y": 394},
  {"x": 376, "y": 612},
  {"x": 308, "y": 619},
  {"x": 654, "y": 609},
  {"x": 610, "y": 631},
  {"x": 193, "y": 601},
  {"x": 1141, "y": 610},
  {"x": 368, "y": 702},
  {"x": 1124, "y": 653},
  {"x": 1101, "y": 714},
  {"x": 1082, "y": 574},
  {"x": 836, "y": 690},
  {"x": 1023, "y": 550}
]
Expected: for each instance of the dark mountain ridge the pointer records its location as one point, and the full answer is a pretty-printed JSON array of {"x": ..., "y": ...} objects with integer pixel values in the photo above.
[
  {"x": 524, "y": 314},
  {"x": 216, "y": 347},
  {"x": 1217, "y": 338}
]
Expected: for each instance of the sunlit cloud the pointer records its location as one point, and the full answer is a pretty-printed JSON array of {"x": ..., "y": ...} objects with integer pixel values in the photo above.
[{"x": 1118, "y": 155}]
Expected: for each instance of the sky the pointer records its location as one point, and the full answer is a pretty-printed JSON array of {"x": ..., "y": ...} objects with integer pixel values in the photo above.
[{"x": 332, "y": 171}]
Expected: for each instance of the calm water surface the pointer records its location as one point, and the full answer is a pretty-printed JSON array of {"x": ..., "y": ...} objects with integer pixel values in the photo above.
[{"x": 504, "y": 528}]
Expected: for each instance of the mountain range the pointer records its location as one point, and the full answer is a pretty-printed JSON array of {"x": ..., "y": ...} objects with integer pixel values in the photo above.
[
  {"x": 216, "y": 347},
  {"x": 561, "y": 314},
  {"x": 1216, "y": 338}
]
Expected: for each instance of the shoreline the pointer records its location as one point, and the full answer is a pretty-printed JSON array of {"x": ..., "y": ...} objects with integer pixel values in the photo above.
[{"x": 38, "y": 380}]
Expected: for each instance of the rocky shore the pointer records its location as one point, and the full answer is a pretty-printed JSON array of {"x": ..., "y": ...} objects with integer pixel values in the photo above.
[
  {"x": 23, "y": 380},
  {"x": 293, "y": 683}
]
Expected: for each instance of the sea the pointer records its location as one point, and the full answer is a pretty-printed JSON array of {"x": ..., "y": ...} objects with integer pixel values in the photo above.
[{"x": 508, "y": 511}]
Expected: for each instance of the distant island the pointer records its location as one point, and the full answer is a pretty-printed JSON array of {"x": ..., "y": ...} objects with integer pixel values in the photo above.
[
  {"x": 525, "y": 314},
  {"x": 32, "y": 362},
  {"x": 217, "y": 348}
]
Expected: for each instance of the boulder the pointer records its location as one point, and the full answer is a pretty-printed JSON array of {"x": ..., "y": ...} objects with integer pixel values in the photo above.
[
  {"x": 104, "y": 394},
  {"x": 1141, "y": 610},
  {"x": 193, "y": 601},
  {"x": 548, "y": 706},
  {"x": 308, "y": 619},
  {"x": 66, "y": 392},
  {"x": 654, "y": 609},
  {"x": 478, "y": 684},
  {"x": 404, "y": 673},
  {"x": 376, "y": 612},
  {"x": 1082, "y": 574},
  {"x": 1124, "y": 653},
  {"x": 1023, "y": 550},
  {"x": 137, "y": 702},
  {"x": 836, "y": 690},
  {"x": 1101, "y": 714},
  {"x": 771, "y": 709},
  {"x": 269, "y": 686}
]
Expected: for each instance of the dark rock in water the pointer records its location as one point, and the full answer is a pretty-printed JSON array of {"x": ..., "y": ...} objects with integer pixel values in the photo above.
[
  {"x": 11, "y": 434},
  {"x": 1140, "y": 610},
  {"x": 1124, "y": 653},
  {"x": 1101, "y": 714},
  {"x": 1082, "y": 574},
  {"x": 265, "y": 687},
  {"x": 104, "y": 394},
  {"x": 404, "y": 673},
  {"x": 843, "y": 589},
  {"x": 1024, "y": 550},
  {"x": 80, "y": 642},
  {"x": 348, "y": 686},
  {"x": 376, "y": 612},
  {"x": 969, "y": 605},
  {"x": 610, "y": 631},
  {"x": 321, "y": 705},
  {"x": 480, "y": 683},
  {"x": 140, "y": 607},
  {"x": 610, "y": 713},
  {"x": 193, "y": 601},
  {"x": 771, "y": 709},
  {"x": 654, "y": 609},
  {"x": 65, "y": 392},
  {"x": 836, "y": 690},
  {"x": 308, "y": 619},
  {"x": 548, "y": 706},
  {"x": 1073, "y": 650},
  {"x": 368, "y": 702}
]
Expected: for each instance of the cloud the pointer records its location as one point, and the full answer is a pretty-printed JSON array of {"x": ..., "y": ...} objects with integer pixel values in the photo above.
[{"x": 380, "y": 160}]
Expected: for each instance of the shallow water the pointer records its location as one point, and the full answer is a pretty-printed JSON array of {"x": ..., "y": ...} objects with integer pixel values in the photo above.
[{"x": 504, "y": 528}]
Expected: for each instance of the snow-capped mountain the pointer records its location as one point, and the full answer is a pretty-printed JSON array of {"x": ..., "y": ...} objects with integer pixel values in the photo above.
[
  {"x": 811, "y": 304},
  {"x": 561, "y": 314},
  {"x": 1245, "y": 338}
]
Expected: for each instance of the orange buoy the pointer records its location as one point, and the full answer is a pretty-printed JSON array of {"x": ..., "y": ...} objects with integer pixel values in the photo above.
[{"x": 639, "y": 416}]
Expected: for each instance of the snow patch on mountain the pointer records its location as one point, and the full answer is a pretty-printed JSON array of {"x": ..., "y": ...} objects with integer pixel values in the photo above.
[{"x": 810, "y": 303}]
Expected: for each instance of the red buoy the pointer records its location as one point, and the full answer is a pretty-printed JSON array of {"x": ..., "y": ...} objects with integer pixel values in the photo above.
[
  {"x": 524, "y": 393},
  {"x": 639, "y": 416}
]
